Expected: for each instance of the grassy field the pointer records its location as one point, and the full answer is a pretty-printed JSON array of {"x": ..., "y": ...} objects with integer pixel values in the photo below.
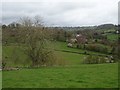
[
  {"x": 112, "y": 37},
  {"x": 63, "y": 46},
  {"x": 72, "y": 58},
  {"x": 15, "y": 55},
  {"x": 75, "y": 76}
]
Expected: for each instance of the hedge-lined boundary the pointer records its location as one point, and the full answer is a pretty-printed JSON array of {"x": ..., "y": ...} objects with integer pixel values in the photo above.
[{"x": 84, "y": 53}]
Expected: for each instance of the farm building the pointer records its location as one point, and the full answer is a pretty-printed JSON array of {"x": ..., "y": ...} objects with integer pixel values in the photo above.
[{"x": 79, "y": 39}]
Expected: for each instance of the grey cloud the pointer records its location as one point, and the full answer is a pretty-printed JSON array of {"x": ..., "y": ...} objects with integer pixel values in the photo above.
[{"x": 64, "y": 13}]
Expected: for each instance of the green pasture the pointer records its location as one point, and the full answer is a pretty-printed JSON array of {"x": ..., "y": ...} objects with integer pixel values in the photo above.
[
  {"x": 112, "y": 37},
  {"x": 73, "y": 74},
  {"x": 76, "y": 76}
]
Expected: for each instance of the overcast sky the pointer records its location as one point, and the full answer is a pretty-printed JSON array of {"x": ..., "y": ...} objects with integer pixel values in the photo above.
[{"x": 62, "y": 12}]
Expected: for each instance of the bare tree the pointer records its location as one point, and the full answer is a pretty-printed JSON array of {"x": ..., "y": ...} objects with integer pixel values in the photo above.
[
  {"x": 26, "y": 21},
  {"x": 37, "y": 41},
  {"x": 38, "y": 22}
]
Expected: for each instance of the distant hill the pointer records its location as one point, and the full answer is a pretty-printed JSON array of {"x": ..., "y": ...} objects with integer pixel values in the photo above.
[
  {"x": 99, "y": 27},
  {"x": 77, "y": 28},
  {"x": 106, "y": 26}
]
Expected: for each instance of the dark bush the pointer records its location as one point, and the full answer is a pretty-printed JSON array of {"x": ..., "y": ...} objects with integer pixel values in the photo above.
[
  {"x": 97, "y": 48},
  {"x": 105, "y": 42},
  {"x": 115, "y": 52}
]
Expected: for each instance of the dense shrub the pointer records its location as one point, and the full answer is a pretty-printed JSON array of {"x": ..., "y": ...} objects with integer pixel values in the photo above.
[
  {"x": 105, "y": 42},
  {"x": 94, "y": 60},
  {"x": 97, "y": 48},
  {"x": 115, "y": 52}
]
